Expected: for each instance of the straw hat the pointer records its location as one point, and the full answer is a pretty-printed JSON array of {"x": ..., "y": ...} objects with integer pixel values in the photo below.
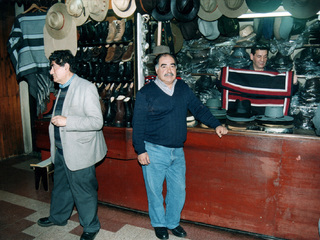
[
  {"x": 69, "y": 42},
  {"x": 58, "y": 21},
  {"x": 98, "y": 9},
  {"x": 232, "y": 8},
  {"x": 209, "y": 10},
  {"x": 124, "y": 8},
  {"x": 302, "y": 8},
  {"x": 77, "y": 9}
]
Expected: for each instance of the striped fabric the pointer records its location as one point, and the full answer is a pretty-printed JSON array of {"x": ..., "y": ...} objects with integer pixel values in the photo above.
[{"x": 261, "y": 88}]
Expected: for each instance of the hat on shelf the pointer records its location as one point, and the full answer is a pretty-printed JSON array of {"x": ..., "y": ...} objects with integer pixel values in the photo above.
[
  {"x": 177, "y": 37},
  {"x": 69, "y": 42},
  {"x": 263, "y": 6},
  {"x": 162, "y": 11},
  {"x": 232, "y": 8},
  {"x": 209, "y": 10},
  {"x": 145, "y": 6},
  {"x": 185, "y": 10},
  {"x": 124, "y": 8},
  {"x": 241, "y": 111},
  {"x": 58, "y": 21},
  {"x": 209, "y": 29},
  {"x": 160, "y": 49},
  {"x": 282, "y": 27},
  {"x": 98, "y": 9},
  {"x": 274, "y": 115},
  {"x": 77, "y": 9},
  {"x": 302, "y": 8}
]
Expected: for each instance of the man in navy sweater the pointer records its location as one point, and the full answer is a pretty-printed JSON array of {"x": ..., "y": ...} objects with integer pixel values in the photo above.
[{"x": 159, "y": 133}]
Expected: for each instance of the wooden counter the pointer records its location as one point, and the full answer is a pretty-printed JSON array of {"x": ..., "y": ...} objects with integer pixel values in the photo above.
[{"x": 255, "y": 182}]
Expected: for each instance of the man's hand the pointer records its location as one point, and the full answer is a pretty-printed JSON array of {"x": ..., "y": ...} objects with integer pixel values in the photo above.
[
  {"x": 220, "y": 130},
  {"x": 59, "y": 121},
  {"x": 143, "y": 158}
]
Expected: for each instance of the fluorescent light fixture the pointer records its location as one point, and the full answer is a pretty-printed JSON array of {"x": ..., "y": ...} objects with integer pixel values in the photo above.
[{"x": 280, "y": 12}]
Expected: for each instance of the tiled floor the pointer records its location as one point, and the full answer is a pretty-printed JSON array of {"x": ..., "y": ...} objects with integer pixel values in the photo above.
[{"x": 21, "y": 206}]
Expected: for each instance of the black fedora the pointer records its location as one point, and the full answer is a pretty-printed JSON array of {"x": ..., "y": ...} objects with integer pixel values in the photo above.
[
  {"x": 241, "y": 109},
  {"x": 145, "y": 6},
  {"x": 162, "y": 11},
  {"x": 185, "y": 10}
]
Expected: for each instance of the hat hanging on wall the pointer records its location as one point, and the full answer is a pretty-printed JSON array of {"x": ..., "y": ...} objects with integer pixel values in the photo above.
[
  {"x": 190, "y": 30},
  {"x": 263, "y": 6},
  {"x": 209, "y": 29},
  {"x": 185, "y": 10},
  {"x": 232, "y": 8},
  {"x": 162, "y": 11},
  {"x": 69, "y": 42},
  {"x": 177, "y": 37},
  {"x": 77, "y": 9},
  {"x": 98, "y": 9},
  {"x": 58, "y": 21},
  {"x": 145, "y": 6},
  {"x": 302, "y": 8},
  {"x": 209, "y": 10},
  {"x": 124, "y": 8}
]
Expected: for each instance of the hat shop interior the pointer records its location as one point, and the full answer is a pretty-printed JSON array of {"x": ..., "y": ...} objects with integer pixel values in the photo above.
[{"x": 116, "y": 41}]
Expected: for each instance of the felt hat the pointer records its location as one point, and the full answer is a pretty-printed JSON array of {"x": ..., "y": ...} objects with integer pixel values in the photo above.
[
  {"x": 124, "y": 8},
  {"x": 209, "y": 29},
  {"x": 209, "y": 10},
  {"x": 58, "y": 21},
  {"x": 77, "y": 9},
  {"x": 241, "y": 109},
  {"x": 302, "y": 8},
  {"x": 98, "y": 9},
  {"x": 69, "y": 42},
  {"x": 232, "y": 8},
  {"x": 177, "y": 37},
  {"x": 145, "y": 6},
  {"x": 274, "y": 114},
  {"x": 185, "y": 10},
  {"x": 282, "y": 27},
  {"x": 162, "y": 11},
  {"x": 228, "y": 27},
  {"x": 263, "y": 6},
  {"x": 160, "y": 49},
  {"x": 190, "y": 30}
]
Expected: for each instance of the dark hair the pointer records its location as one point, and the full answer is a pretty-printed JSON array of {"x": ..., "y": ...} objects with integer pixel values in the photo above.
[
  {"x": 61, "y": 57},
  {"x": 259, "y": 47},
  {"x": 156, "y": 60}
]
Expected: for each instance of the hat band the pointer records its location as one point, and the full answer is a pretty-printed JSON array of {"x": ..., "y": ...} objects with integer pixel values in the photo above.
[
  {"x": 211, "y": 11},
  {"x": 237, "y": 6},
  {"x": 58, "y": 26}
]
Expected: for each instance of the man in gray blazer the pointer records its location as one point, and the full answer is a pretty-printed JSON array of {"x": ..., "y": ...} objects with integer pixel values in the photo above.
[{"x": 77, "y": 144}]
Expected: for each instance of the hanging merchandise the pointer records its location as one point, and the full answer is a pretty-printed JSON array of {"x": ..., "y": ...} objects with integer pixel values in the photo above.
[
  {"x": 185, "y": 10},
  {"x": 209, "y": 10},
  {"x": 78, "y": 9},
  {"x": 124, "y": 8},
  {"x": 162, "y": 11},
  {"x": 231, "y": 8},
  {"x": 98, "y": 9}
]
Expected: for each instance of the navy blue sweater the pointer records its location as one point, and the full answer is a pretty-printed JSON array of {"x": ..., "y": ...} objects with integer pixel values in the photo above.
[{"x": 161, "y": 119}]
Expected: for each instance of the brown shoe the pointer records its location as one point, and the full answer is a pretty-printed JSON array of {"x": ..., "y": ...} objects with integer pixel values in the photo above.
[
  {"x": 111, "y": 32},
  {"x": 110, "y": 54},
  {"x": 118, "y": 54},
  {"x": 121, "y": 25},
  {"x": 127, "y": 56}
]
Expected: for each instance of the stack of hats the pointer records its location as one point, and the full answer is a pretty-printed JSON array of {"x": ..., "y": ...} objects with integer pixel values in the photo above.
[
  {"x": 191, "y": 121},
  {"x": 281, "y": 63},
  {"x": 239, "y": 58},
  {"x": 273, "y": 120},
  {"x": 240, "y": 115},
  {"x": 308, "y": 63},
  {"x": 215, "y": 108}
]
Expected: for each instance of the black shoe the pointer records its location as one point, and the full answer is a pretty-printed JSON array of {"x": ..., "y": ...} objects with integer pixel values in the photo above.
[
  {"x": 88, "y": 235},
  {"x": 45, "y": 222},
  {"x": 161, "y": 232},
  {"x": 179, "y": 232}
]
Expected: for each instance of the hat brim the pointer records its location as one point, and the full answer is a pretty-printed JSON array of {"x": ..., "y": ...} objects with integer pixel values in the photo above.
[
  {"x": 127, "y": 13},
  {"x": 185, "y": 17},
  {"x": 68, "y": 43},
  {"x": 306, "y": 10},
  {"x": 102, "y": 14},
  {"x": 241, "y": 119},
  {"x": 60, "y": 33},
  {"x": 232, "y": 13},
  {"x": 263, "y": 6},
  {"x": 161, "y": 17},
  {"x": 84, "y": 15},
  {"x": 270, "y": 120},
  {"x": 209, "y": 16}
]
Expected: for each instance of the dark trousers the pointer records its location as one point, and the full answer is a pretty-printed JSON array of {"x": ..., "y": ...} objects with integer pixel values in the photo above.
[{"x": 74, "y": 188}]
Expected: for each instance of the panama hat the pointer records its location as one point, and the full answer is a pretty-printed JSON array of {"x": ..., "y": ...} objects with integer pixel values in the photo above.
[
  {"x": 185, "y": 10},
  {"x": 77, "y": 9},
  {"x": 209, "y": 10},
  {"x": 98, "y": 9},
  {"x": 232, "y": 8},
  {"x": 58, "y": 21},
  {"x": 145, "y": 6},
  {"x": 209, "y": 29},
  {"x": 263, "y": 6},
  {"x": 69, "y": 42},
  {"x": 302, "y": 8},
  {"x": 124, "y": 8},
  {"x": 162, "y": 11}
]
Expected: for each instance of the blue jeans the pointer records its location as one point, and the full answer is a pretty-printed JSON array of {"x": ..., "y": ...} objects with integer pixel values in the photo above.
[{"x": 165, "y": 164}]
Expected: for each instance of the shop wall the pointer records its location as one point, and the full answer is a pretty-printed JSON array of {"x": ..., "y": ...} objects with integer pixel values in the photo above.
[{"x": 11, "y": 138}]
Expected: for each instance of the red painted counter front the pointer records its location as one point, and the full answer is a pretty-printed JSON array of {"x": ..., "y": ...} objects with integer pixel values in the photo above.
[{"x": 260, "y": 183}]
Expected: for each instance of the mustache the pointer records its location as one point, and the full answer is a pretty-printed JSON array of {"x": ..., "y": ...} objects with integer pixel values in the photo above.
[{"x": 168, "y": 74}]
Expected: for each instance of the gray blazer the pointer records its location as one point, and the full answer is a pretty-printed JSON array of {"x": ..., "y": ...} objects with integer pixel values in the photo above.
[{"x": 82, "y": 138}]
